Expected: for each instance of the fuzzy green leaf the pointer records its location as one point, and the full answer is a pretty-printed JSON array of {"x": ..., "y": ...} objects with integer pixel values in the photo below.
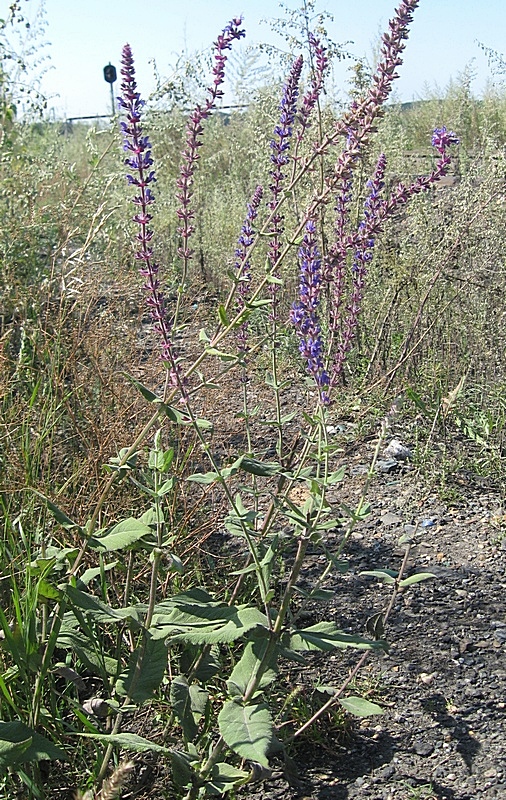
[
  {"x": 19, "y": 744},
  {"x": 140, "y": 685},
  {"x": 206, "y": 624},
  {"x": 385, "y": 575},
  {"x": 327, "y": 636},
  {"x": 205, "y": 478},
  {"x": 224, "y": 777},
  {"x": 417, "y": 578},
  {"x": 360, "y": 707},
  {"x": 181, "y": 769},
  {"x": 100, "y": 611},
  {"x": 213, "y": 351},
  {"x": 189, "y": 704},
  {"x": 58, "y": 514},
  {"x": 122, "y": 535},
  {"x": 94, "y": 572},
  {"x": 129, "y": 741},
  {"x": 247, "y": 665},
  {"x": 12, "y": 753},
  {"x": 222, "y": 314},
  {"x": 247, "y": 730},
  {"x": 260, "y": 468}
]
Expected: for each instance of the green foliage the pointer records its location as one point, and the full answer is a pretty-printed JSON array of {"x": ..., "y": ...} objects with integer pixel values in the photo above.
[{"x": 123, "y": 578}]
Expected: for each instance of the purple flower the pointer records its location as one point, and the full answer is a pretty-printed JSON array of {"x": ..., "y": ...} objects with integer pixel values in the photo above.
[
  {"x": 304, "y": 312},
  {"x": 280, "y": 145},
  {"x": 140, "y": 161},
  {"x": 364, "y": 245},
  {"x": 311, "y": 97},
  {"x": 243, "y": 265},
  {"x": 194, "y": 132},
  {"x": 442, "y": 138}
]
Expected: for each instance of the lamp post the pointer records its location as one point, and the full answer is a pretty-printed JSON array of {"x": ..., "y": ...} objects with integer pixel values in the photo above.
[{"x": 110, "y": 76}]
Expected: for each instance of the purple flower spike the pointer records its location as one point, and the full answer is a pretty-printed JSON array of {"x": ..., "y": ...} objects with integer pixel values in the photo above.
[
  {"x": 139, "y": 161},
  {"x": 243, "y": 265},
  {"x": 304, "y": 312},
  {"x": 194, "y": 132},
  {"x": 280, "y": 145},
  {"x": 364, "y": 245},
  {"x": 311, "y": 97}
]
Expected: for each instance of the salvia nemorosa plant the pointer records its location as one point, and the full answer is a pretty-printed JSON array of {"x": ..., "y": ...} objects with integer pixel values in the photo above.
[{"x": 225, "y": 646}]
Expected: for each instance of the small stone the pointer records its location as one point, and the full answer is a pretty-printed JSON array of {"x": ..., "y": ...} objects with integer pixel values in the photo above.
[
  {"x": 386, "y": 772},
  {"x": 427, "y": 677},
  {"x": 490, "y": 773},
  {"x": 390, "y": 519},
  {"x": 422, "y": 748},
  {"x": 398, "y": 451},
  {"x": 387, "y": 466}
]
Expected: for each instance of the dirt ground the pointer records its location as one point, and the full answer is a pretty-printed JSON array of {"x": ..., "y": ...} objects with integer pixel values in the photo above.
[{"x": 442, "y": 684}]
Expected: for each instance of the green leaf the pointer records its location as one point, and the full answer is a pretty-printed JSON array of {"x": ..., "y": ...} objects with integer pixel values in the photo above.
[
  {"x": 181, "y": 704},
  {"x": 166, "y": 487},
  {"x": 260, "y": 468},
  {"x": 327, "y": 636},
  {"x": 222, "y": 314},
  {"x": 181, "y": 768},
  {"x": 360, "y": 707},
  {"x": 386, "y": 575},
  {"x": 47, "y": 590},
  {"x": 97, "y": 663},
  {"x": 261, "y": 303},
  {"x": 208, "y": 664},
  {"x": 93, "y": 572},
  {"x": 58, "y": 514},
  {"x": 324, "y": 595},
  {"x": 122, "y": 535},
  {"x": 247, "y": 666},
  {"x": 211, "y": 623},
  {"x": 160, "y": 459},
  {"x": 417, "y": 578},
  {"x": 98, "y": 610},
  {"x": 247, "y": 730},
  {"x": 19, "y": 744},
  {"x": 145, "y": 392},
  {"x": 174, "y": 414},
  {"x": 224, "y": 777},
  {"x": 204, "y": 478},
  {"x": 418, "y": 402},
  {"x": 273, "y": 279},
  {"x": 129, "y": 741},
  {"x": 12, "y": 752},
  {"x": 141, "y": 684},
  {"x": 336, "y": 477},
  {"x": 189, "y": 704},
  {"x": 213, "y": 351}
]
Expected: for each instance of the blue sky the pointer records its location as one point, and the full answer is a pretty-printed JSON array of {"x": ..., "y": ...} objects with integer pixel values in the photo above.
[{"x": 84, "y": 35}]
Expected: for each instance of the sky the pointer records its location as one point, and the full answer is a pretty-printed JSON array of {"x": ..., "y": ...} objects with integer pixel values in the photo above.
[{"x": 81, "y": 36}]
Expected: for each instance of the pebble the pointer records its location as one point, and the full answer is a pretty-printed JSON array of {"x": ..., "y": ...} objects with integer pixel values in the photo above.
[
  {"x": 387, "y": 465},
  {"x": 422, "y": 748},
  {"x": 398, "y": 451},
  {"x": 426, "y": 677}
]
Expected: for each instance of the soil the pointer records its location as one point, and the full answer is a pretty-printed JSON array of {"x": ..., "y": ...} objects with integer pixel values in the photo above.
[{"x": 442, "y": 684}]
